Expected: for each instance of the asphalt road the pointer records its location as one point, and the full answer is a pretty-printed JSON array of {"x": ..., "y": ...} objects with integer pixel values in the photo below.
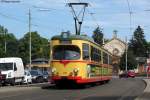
[{"x": 116, "y": 89}]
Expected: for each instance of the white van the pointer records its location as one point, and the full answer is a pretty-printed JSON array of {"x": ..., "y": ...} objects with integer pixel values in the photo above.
[{"x": 13, "y": 69}]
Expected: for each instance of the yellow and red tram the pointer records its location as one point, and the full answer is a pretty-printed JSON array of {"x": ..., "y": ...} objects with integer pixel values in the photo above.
[{"x": 79, "y": 59}]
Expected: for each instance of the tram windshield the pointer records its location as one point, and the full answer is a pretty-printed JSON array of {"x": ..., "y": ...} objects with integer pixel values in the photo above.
[{"x": 66, "y": 52}]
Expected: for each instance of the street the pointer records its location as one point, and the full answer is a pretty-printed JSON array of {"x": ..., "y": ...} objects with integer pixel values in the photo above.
[{"x": 116, "y": 89}]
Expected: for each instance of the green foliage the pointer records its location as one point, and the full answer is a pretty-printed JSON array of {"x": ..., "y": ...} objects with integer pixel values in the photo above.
[
  {"x": 138, "y": 43},
  {"x": 11, "y": 43},
  {"x": 20, "y": 48},
  {"x": 98, "y": 36},
  {"x": 39, "y": 47},
  {"x": 131, "y": 62},
  {"x": 137, "y": 47}
]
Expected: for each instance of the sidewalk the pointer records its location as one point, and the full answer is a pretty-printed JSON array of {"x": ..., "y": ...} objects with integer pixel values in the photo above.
[{"x": 146, "y": 93}]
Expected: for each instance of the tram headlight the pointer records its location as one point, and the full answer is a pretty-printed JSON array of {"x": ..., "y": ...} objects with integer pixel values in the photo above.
[
  {"x": 53, "y": 71},
  {"x": 76, "y": 71}
]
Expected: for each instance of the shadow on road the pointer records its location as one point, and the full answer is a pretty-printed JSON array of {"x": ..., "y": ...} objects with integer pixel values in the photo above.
[
  {"x": 109, "y": 98},
  {"x": 71, "y": 87}
]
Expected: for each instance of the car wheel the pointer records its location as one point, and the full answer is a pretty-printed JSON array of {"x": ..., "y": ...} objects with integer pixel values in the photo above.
[
  {"x": 30, "y": 81},
  {"x": 39, "y": 80},
  {"x": 13, "y": 82}
]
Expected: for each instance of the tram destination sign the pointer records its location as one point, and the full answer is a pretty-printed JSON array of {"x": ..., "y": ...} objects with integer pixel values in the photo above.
[{"x": 65, "y": 42}]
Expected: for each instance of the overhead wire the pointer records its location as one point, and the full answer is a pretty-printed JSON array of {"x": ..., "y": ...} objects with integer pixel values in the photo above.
[
  {"x": 93, "y": 18},
  {"x": 14, "y": 18},
  {"x": 26, "y": 22},
  {"x": 130, "y": 14}
]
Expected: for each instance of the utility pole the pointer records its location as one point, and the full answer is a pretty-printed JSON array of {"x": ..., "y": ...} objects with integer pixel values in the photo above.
[
  {"x": 126, "y": 55},
  {"x": 130, "y": 15},
  {"x": 30, "y": 40},
  {"x": 5, "y": 41}
]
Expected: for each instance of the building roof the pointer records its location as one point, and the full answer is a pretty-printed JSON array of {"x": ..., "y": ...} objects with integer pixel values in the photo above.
[
  {"x": 116, "y": 46},
  {"x": 117, "y": 39}
]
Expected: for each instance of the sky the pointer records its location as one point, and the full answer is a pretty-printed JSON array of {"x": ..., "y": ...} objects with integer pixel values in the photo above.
[{"x": 110, "y": 15}]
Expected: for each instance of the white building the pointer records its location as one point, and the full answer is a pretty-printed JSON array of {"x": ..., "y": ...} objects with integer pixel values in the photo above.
[{"x": 116, "y": 46}]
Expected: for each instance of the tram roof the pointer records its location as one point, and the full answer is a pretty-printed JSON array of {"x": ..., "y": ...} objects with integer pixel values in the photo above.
[
  {"x": 73, "y": 37},
  {"x": 76, "y": 37}
]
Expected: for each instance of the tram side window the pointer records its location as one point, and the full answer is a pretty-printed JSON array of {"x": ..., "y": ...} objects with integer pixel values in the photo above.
[
  {"x": 105, "y": 58},
  {"x": 95, "y": 54},
  {"x": 85, "y": 51},
  {"x": 110, "y": 60}
]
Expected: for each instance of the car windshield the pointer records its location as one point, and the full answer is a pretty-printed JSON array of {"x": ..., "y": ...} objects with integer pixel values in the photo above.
[
  {"x": 34, "y": 73},
  {"x": 45, "y": 73},
  {"x": 63, "y": 52},
  {"x": 6, "y": 66},
  {"x": 25, "y": 73}
]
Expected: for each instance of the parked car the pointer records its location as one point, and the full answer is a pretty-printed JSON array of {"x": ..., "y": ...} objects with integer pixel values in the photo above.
[
  {"x": 127, "y": 74},
  {"x": 37, "y": 76},
  {"x": 124, "y": 74},
  {"x": 27, "y": 77},
  {"x": 46, "y": 76},
  {"x": 131, "y": 74}
]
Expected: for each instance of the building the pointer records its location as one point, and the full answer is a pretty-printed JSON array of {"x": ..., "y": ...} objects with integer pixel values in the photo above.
[
  {"x": 117, "y": 47},
  {"x": 40, "y": 64}
]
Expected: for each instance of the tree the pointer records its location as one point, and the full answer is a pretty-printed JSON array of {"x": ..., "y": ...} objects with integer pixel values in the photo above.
[
  {"x": 11, "y": 43},
  {"x": 40, "y": 47},
  {"x": 98, "y": 36},
  {"x": 2, "y": 53},
  {"x": 138, "y": 43},
  {"x": 131, "y": 62}
]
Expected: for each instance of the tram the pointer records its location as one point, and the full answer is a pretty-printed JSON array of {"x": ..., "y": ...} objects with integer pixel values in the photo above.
[{"x": 78, "y": 59}]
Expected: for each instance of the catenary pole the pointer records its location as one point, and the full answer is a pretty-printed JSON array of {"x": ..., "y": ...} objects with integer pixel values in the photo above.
[
  {"x": 30, "y": 53},
  {"x": 126, "y": 54}
]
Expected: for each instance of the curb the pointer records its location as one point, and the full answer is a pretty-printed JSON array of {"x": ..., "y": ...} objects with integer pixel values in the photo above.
[{"x": 146, "y": 94}]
